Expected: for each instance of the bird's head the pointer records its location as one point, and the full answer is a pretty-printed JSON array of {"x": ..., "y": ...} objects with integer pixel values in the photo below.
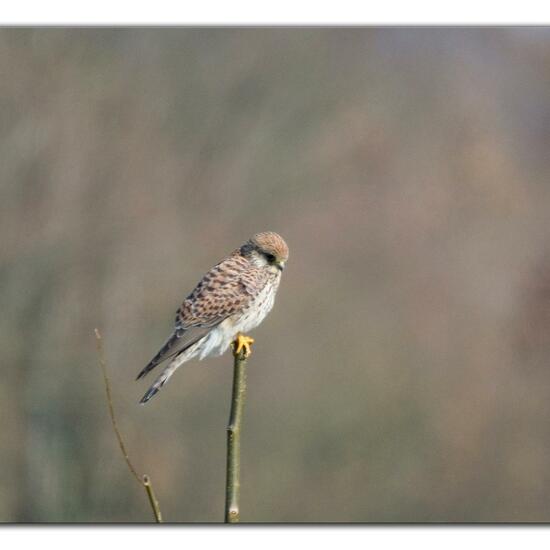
[{"x": 268, "y": 250}]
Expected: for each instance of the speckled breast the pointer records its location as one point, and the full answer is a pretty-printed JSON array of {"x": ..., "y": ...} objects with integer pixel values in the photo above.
[{"x": 259, "y": 307}]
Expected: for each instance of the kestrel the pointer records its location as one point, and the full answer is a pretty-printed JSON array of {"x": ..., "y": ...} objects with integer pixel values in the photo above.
[{"x": 231, "y": 299}]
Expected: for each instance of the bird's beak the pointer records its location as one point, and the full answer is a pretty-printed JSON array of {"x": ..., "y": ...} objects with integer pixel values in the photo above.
[{"x": 281, "y": 266}]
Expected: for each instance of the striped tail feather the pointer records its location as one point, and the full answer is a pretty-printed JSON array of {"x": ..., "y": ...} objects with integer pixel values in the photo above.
[
  {"x": 162, "y": 379},
  {"x": 181, "y": 340},
  {"x": 179, "y": 348},
  {"x": 160, "y": 356}
]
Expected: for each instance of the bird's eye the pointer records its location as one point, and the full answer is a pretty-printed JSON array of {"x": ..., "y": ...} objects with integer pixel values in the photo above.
[{"x": 270, "y": 258}]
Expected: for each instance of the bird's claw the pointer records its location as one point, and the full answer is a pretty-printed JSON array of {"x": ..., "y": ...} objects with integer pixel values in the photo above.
[{"x": 243, "y": 343}]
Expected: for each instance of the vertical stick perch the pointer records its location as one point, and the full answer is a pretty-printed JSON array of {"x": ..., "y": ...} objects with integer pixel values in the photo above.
[{"x": 233, "y": 479}]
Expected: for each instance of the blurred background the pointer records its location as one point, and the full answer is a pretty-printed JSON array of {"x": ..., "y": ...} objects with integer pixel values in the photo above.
[{"x": 404, "y": 373}]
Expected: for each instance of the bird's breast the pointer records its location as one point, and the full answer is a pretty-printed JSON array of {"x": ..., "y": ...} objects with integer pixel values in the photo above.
[{"x": 258, "y": 308}]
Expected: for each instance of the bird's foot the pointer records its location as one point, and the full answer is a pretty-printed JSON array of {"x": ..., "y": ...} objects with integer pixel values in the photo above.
[{"x": 242, "y": 343}]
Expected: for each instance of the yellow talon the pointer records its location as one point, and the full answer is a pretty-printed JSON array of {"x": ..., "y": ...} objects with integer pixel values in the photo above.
[{"x": 241, "y": 343}]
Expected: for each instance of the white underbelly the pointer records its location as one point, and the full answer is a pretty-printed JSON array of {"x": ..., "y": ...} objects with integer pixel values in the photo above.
[
  {"x": 257, "y": 311},
  {"x": 218, "y": 339}
]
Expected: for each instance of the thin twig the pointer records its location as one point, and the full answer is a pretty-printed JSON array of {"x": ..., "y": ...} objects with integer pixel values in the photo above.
[
  {"x": 152, "y": 498},
  {"x": 233, "y": 476},
  {"x": 144, "y": 480}
]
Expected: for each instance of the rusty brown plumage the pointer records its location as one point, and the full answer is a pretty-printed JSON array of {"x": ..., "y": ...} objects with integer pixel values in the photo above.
[{"x": 234, "y": 296}]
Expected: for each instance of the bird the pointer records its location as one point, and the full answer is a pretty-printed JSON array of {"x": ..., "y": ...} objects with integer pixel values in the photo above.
[{"x": 231, "y": 299}]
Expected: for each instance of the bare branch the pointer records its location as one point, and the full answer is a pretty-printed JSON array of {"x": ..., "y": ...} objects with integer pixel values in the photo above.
[{"x": 144, "y": 480}]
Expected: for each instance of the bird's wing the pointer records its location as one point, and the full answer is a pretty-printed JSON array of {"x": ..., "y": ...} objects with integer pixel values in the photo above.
[
  {"x": 179, "y": 341},
  {"x": 225, "y": 290}
]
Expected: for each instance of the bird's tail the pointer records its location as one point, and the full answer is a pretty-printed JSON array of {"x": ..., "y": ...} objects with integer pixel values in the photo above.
[
  {"x": 162, "y": 379},
  {"x": 161, "y": 356}
]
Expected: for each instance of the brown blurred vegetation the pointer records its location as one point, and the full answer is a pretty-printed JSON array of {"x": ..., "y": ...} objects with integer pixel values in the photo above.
[{"x": 404, "y": 373}]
